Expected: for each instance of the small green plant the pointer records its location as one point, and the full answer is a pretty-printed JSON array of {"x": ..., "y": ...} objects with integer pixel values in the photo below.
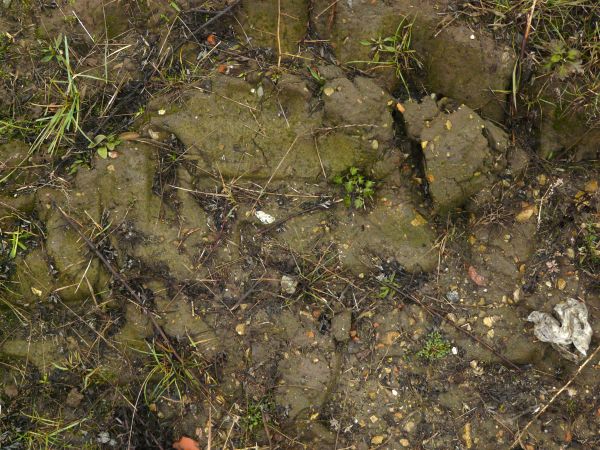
[
  {"x": 166, "y": 377},
  {"x": 253, "y": 419},
  {"x": 357, "y": 187},
  {"x": 104, "y": 144},
  {"x": 435, "y": 347},
  {"x": 590, "y": 250},
  {"x": 47, "y": 433},
  {"x": 16, "y": 242},
  {"x": 386, "y": 290},
  {"x": 394, "y": 51},
  {"x": 563, "y": 61},
  {"x": 314, "y": 73},
  {"x": 53, "y": 51}
]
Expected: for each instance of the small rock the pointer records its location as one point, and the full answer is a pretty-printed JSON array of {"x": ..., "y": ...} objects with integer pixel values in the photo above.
[
  {"x": 340, "y": 326},
  {"x": 409, "y": 427},
  {"x": 288, "y": 284},
  {"x": 264, "y": 218},
  {"x": 453, "y": 296},
  {"x": 488, "y": 321},
  {"x": 404, "y": 442}
]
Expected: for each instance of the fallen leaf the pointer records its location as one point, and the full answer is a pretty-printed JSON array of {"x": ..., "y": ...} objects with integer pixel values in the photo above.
[
  {"x": 376, "y": 440},
  {"x": 467, "y": 435},
  {"x": 36, "y": 292},
  {"x": 561, "y": 284},
  {"x": 186, "y": 443},
  {"x": 240, "y": 329},
  {"x": 479, "y": 280},
  {"x": 424, "y": 144},
  {"x": 568, "y": 436},
  {"x": 154, "y": 135},
  {"x": 222, "y": 68},
  {"x": 400, "y": 107},
  {"x": 390, "y": 337},
  {"x": 211, "y": 39},
  {"x": 526, "y": 213},
  {"x": 129, "y": 136},
  {"x": 591, "y": 186},
  {"x": 328, "y": 91},
  {"x": 448, "y": 125},
  {"x": 418, "y": 221}
]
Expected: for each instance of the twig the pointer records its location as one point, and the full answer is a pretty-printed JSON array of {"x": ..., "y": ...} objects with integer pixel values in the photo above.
[
  {"x": 522, "y": 55},
  {"x": 217, "y": 16},
  {"x": 278, "y": 33},
  {"x": 517, "y": 440}
]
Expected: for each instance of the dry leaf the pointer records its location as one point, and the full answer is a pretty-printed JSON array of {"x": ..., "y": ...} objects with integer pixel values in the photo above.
[
  {"x": 211, "y": 39},
  {"x": 36, "y": 292},
  {"x": 400, "y": 107},
  {"x": 448, "y": 125},
  {"x": 376, "y": 440},
  {"x": 561, "y": 284},
  {"x": 222, "y": 68},
  {"x": 418, "y": 221},
  {"x": 526, "y": 213},
  {"x": 479, "y": 280},
  {"x": 591, "y": 186},
  {"x": 186, "y": 443},
  {"x": 129, "y": 136},
  {"x": 328, "y": 91}
]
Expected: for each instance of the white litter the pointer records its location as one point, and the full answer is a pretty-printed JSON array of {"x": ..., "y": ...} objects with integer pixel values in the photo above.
[
  {"x": 264, "y": 217},
  {"x": 573, "y": 328}
]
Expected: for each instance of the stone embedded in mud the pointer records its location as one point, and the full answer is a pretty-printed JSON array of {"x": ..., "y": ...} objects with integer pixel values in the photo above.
[
  {"x": 461, "y": 151},
  {"x": 392, "y": 229},
  {"x": 231, "y": 131},
  {"x": 340, "y": 325},
  {"x": 260, "y": 19},
  {"x": 304, "y": 384},
  {"x": 358, "y": 103},
  {"x": 472, "y": 71}
]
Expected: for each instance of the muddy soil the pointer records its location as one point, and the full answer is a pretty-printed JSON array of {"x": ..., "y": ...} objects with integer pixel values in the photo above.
[{"x": 255, "y": 235}]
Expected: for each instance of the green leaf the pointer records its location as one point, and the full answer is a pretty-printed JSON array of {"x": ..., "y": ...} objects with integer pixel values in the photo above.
[
  {"x": 338, "y": 179},
  {"x": 573, "y": 54},
  {"x": 103, "y": 152},
  {"x": 353, "y": 171},
  {"x": 365, "y": 42},
  {"x": 47, "y": 58},
  {"x": 347, "y": 201},
  {"x": 555, "y": 58},
  {"x": 359, "y": 202},
  {"x": 99, "y": 138},
  {"x": 110, "y": 145},
  {"x": 349, "y": 186}
]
